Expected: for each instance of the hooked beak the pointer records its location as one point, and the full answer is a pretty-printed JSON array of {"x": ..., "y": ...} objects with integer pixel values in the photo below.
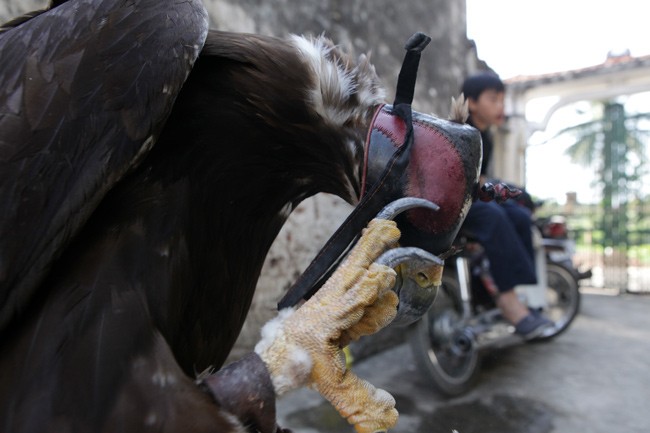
[
  {"x": 418, "y": 271},
  {"x": 407, "y": 154},
  {"x": 419, "y": 275}
]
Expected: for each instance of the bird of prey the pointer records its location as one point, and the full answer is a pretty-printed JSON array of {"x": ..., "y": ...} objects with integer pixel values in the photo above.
[{"x": 146, "y": 165}]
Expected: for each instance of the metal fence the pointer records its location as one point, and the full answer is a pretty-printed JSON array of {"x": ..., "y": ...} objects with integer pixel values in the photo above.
[
  {"x": 613, "y": 232},
  {"x": 613, "y": 242}
]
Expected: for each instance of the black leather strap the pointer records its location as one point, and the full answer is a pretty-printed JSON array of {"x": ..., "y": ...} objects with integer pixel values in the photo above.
[{"x": 374, "y": 200}]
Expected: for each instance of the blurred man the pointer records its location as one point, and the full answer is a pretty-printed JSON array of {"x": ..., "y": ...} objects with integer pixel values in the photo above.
[{"x": 503, "y": 230}]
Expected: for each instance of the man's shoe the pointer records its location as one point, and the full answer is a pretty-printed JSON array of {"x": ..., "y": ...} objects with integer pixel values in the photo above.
[{"x": 533, "y": 326}]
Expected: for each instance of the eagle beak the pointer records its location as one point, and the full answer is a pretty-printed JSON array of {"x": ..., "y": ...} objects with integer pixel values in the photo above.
[
  {"x": 419, "y": 276},
  {"x": 419, "y": 273}
]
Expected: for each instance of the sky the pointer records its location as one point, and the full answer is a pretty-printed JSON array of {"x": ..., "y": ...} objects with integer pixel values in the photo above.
[{"x": 531, "y": 37}]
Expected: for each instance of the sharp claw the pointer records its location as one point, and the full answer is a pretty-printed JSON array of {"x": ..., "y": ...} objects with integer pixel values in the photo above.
[
  {"x": 396, "y": 256},
  {"x": 392, "y": 209}
]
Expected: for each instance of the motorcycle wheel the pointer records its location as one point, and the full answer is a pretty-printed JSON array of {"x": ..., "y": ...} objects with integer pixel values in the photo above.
[
  {"x": 562, "y": 297},
  {"x": 434, "y": 343}
]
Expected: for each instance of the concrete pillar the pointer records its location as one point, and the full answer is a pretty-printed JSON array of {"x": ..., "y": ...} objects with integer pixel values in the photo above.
[{"x": 510, "y": 141}]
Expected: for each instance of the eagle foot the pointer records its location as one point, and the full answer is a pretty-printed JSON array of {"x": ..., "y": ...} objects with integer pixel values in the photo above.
[{"x": 302, "y": 346}]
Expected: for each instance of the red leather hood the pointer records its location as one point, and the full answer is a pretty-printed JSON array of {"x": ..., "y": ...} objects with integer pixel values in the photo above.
[{"x": 443, "y": 167}]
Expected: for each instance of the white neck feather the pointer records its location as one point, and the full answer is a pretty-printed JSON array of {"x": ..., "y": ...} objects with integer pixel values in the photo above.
[{"x": 344, "y": 91}]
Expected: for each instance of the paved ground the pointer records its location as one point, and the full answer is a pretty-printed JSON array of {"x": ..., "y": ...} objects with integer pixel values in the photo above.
[{"x": 595, "y": 378}]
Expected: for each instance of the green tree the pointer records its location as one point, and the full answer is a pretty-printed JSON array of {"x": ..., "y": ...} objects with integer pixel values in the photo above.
[{"x": 613, "y": 144}]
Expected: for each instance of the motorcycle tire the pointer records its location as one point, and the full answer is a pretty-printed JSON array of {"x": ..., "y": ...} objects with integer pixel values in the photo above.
[
  {"x": 452, "y": 372},
  {"x": 562, "y": 297}
]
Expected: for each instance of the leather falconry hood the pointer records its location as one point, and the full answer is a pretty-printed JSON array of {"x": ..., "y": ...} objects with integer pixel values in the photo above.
[{"x": 407, "y": 154}]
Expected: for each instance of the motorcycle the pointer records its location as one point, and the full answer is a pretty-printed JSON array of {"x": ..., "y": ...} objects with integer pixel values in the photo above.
[
  {"x": 464, "y": 322},
  {"x": 559, "y": 247}
]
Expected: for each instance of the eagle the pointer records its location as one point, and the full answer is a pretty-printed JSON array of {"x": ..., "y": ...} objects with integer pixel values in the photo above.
[{"x": 147, "y": 163}]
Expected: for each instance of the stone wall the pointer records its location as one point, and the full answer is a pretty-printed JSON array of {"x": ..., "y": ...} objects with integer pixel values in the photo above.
[
  {"x": 380, "y": 27},
  {"x": 12, "y": 8},
  {"x": 377, "y": 26}
]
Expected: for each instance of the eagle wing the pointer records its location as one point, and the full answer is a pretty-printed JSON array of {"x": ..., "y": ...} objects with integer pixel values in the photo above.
[{"x": 86, "y": 88}]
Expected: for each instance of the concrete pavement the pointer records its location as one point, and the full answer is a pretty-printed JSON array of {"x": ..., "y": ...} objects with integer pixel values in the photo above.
[{"x": 594, "y": 378}]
